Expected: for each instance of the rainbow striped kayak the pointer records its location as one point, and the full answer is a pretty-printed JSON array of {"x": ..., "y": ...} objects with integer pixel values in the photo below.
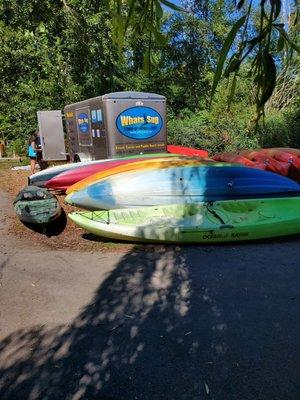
[
  {"x": 153, "y": 164},
  {"x": 206, "y": 222},
  {"x": 181, "y": 184},
  {"x": 64, "y": 180}
]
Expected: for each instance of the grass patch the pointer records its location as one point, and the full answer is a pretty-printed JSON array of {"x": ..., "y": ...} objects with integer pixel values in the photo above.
[{"x": 8, "y": 164}]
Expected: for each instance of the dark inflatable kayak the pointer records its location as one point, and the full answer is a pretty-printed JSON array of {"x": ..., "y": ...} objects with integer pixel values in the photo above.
[{"x": 36, "y": 205}]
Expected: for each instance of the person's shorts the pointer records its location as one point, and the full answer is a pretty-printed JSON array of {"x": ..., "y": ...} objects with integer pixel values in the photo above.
[{"x": 32, "y": 158}]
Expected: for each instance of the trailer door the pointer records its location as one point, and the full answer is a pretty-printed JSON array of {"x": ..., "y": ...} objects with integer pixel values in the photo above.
[{"x": 52, "y": 135}]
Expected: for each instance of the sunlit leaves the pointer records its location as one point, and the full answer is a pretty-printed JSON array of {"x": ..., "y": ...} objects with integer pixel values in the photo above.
[
  {"x": 259, "y": 48},
  {"x": 267, "y": 79},
  {"x": 141, "y": 17},
  {"x": 286, "y": 37},
  {"x": 225, "y": 49}
]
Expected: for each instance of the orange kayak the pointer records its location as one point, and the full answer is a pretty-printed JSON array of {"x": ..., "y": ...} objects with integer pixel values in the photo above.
[
  {"x": 295, "y": 152},
  {"x": 283, "y": 156},
  {"x": 272, "y": 165},
  {"x": 282, "y": 161},
  {"x": 236, "y": 158},
  {"x": 290, "y": 162}
]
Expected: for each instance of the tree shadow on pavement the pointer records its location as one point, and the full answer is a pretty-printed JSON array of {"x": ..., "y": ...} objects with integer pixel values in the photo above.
[{"x": 172, "y": 324}]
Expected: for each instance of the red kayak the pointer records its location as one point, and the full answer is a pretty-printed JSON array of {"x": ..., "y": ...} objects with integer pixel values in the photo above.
[
  {"x": 187, "y": 151},
  {"x": 257, "y": 159},
  {"x": 283, "y": 156},
  {"x": 235, "y": 158},
  {"x": 281, "y": 161},
  {"x": 295, "y": 152},
  {"x": 272, "y": 165},
  {"x": 224, "y": 156}
]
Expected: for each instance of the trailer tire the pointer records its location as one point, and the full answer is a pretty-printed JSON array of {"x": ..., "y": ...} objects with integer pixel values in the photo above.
[{"x": 76, "y": 158}]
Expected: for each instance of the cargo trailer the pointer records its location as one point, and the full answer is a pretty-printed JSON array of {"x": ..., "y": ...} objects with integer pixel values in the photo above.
[{"x": 115, "y": 125}]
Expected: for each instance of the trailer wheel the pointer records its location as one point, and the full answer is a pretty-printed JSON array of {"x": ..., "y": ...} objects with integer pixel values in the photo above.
[{"x": 76, "y": 158}]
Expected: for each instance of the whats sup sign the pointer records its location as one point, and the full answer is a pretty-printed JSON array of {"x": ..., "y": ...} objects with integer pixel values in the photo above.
[{"x": 139, "y": 122}]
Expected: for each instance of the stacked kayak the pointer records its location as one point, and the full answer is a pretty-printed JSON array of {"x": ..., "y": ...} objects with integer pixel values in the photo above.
[
  {"x": 234, "y": 158},
  {"x": 283, "y": 161},
  {"x": 142, "y": 166},
  {"x": 289, "y": 156},
  {"x": 204, "y": 222},
  {"x": 182, "y": 197},
  {"x": 43, "y": 177},
  {"x": 271, "y": 163},
  {"x": 64, "y": 180},
  {"x": 178, "y": 183},
  {"x": 62, "y": 176}
]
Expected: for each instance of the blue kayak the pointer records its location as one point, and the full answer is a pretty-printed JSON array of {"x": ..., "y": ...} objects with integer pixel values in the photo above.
[{"x": 182, "y": 185}]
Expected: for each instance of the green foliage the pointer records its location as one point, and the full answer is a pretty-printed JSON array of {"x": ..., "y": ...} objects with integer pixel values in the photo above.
[
  {"x": 52, "y": 53},
  {"x": 280, "y": 129},
  {"x": 214, "y": 131},
  {"x": 141, "y": 18},
  {"x": 56, "y": 52},
  {"x": 258, "y": 45},
  {"x": 17, "y": 147}
]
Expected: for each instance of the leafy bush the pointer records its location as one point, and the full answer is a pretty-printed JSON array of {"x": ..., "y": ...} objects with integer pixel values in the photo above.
[
  {"x": 280, "y": 129},
  {"x": 219, "y": 130},
  {"x": 17, "y": 147},
  {"x": 214, "y": 131}
]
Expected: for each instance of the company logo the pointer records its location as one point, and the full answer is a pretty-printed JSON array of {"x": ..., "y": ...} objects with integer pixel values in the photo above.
[
  {"x": 83, "y": 122},
  {"x": 139, "y": 123}
]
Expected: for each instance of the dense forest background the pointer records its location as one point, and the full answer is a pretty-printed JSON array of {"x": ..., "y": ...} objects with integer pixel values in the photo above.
[{"x": 54, "y": 52}]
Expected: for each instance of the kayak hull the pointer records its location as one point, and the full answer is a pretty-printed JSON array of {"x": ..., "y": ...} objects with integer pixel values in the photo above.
[
  {"x": 238, "y": 159},
  {"x": 224, "y": 221}
]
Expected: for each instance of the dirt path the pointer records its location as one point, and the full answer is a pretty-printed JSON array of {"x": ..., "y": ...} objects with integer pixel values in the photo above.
[
  {"x": 41, "y": 278},
  {"x": 141, "y": 323}
]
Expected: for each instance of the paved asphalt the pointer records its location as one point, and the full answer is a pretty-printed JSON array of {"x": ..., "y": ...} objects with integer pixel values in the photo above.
[{"x": 173, "y": 323}]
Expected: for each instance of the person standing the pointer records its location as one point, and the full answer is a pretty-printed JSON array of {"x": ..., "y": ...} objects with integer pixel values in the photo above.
[{"x": 33, "y": 150}]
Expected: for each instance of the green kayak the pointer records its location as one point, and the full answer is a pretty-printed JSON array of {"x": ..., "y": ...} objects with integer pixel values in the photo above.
[
  {"x": 206, "y": 222},
  {"x": 36, "y": 205}
]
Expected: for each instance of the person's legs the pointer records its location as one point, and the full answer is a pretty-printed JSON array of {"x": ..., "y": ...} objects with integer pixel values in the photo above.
[{"x": 32, "y": 165}]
